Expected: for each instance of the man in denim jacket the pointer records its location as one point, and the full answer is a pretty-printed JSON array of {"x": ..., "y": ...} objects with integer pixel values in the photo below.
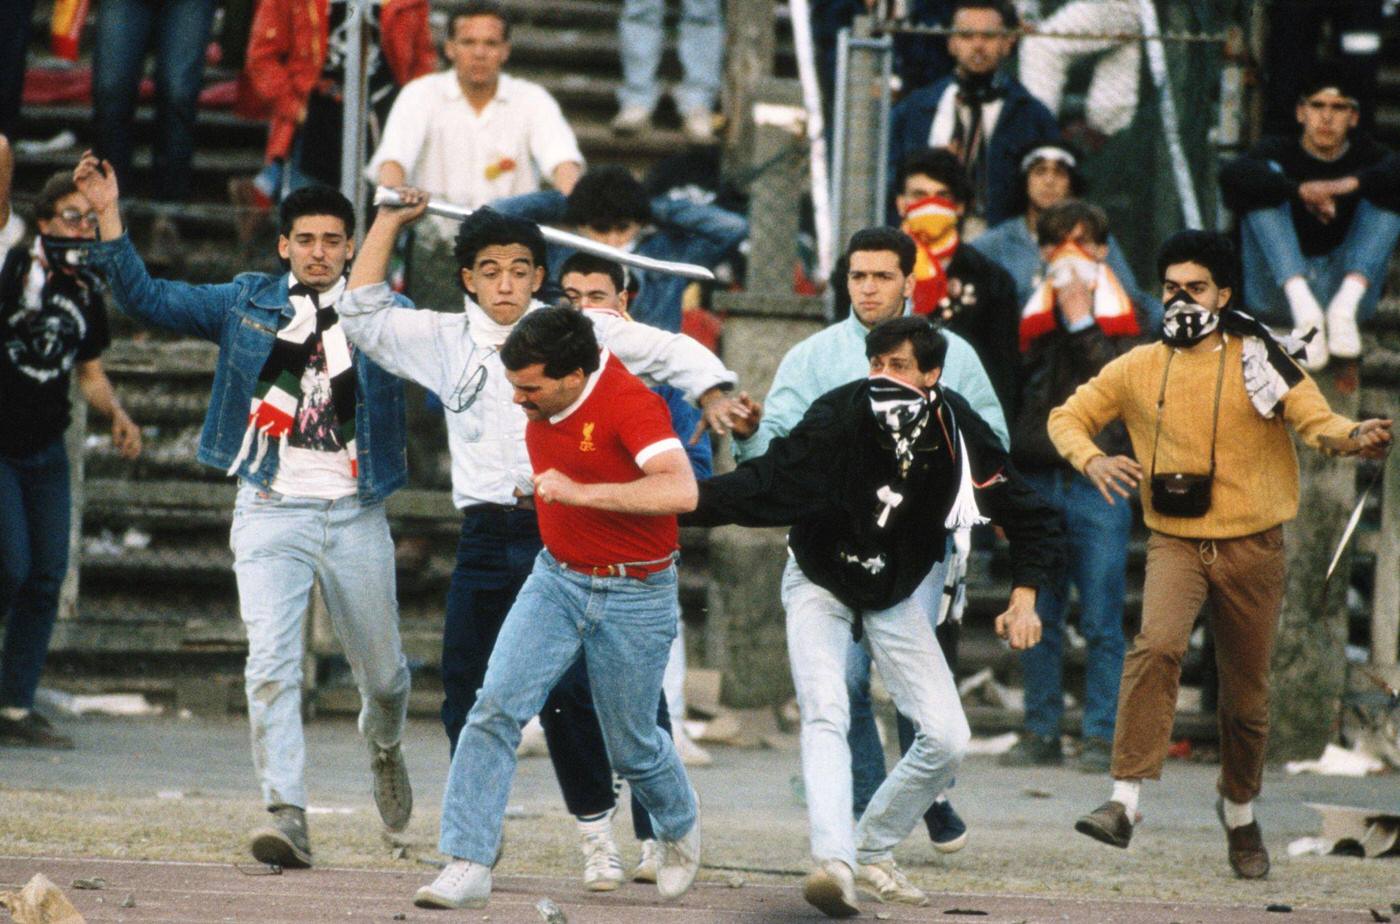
[{"x": 315, "y": 433}]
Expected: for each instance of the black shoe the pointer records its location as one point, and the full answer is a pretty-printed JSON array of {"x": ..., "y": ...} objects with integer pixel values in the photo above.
[
  {"x": 1095, "y": 755},
  {"x": 1247, "y": 854},
  {"x": 285, "y": 842},
  {"x": 945, "y": 828},
  {"x": 1108, "y": 823},
  {"x": 1034, "y": 751},
  {"x": 33, "y": 731}
]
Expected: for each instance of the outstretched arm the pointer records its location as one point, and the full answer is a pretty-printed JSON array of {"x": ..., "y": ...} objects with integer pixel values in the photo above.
[
  {"x": 178, "y": 306},
  {"x": 406, "y": 343}
]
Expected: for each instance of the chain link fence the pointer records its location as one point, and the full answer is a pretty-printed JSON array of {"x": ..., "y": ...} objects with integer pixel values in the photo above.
[{"x": 1137, "y": 87}]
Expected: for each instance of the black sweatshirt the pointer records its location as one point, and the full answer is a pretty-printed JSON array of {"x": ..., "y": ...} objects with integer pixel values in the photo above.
[
  {"x": 823, "y": 477},
  {"x": 1269, "y": 175}
]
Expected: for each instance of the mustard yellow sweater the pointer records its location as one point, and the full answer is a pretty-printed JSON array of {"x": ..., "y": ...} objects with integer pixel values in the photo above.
[{"x": 1256, "y": 473}]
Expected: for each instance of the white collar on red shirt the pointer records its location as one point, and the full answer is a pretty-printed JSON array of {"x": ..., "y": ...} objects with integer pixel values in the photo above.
[{"x": 603, "y": 357}]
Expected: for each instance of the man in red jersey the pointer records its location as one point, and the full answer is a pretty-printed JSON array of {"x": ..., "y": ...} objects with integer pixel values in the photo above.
[{"x": 610, "y": 477}]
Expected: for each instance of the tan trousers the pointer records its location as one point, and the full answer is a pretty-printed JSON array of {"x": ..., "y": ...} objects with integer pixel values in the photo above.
[{"x": 1243, "y": 579}]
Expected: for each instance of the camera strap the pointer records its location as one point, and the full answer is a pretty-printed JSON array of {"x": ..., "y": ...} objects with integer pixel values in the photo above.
[{"x": 1162, "y": 400}]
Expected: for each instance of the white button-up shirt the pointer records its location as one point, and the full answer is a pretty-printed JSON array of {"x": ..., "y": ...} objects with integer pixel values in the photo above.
[
  {"x": 460, "y": 362},
  {"x": 452, "y": 152}
]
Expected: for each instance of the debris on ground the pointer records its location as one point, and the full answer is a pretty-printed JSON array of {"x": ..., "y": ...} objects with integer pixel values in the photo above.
[
  {"x": 1379, "y": 918},
  {"x": 1280, "y": 908},
  {"x": 119, "y": 705},
  {"x": 1035, "y": 793},
  {"x": 1338, "y": 761},
  {"x": 40, "y": 902},
  {"x": 549, "y": 912},
  {"x": 1358, "y": 831},
  {"x": 736, "y": 882},
  {"x": 96, "y": 882},
  {"x": 400, "y": 916},
  {"x": 129, "y": 901}
]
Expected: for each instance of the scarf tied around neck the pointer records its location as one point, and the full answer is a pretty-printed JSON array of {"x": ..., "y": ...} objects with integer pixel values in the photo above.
[{"x": 278, "y": 390}]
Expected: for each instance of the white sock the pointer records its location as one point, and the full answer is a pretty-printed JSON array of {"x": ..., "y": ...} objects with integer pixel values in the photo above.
[
  {"x": 14, "y": 713},
  {"x": 1307, "y": 313},
  {"x": 1125, "y": 792},
  {"x": 597, "y": 824},
  {"x": 1238, "y": 814},
  {"x": 1348, "y": 297}
]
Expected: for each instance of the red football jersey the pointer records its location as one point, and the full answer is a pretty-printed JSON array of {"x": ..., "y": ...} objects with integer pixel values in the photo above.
[{"x": 605, "y": 437}]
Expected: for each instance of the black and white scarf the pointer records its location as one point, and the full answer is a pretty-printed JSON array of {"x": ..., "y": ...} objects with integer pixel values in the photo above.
[{"x": 278, "y": 389}]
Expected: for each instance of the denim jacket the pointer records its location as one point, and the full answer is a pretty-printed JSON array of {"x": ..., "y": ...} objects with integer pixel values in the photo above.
[{"x": 242, "y": 317}]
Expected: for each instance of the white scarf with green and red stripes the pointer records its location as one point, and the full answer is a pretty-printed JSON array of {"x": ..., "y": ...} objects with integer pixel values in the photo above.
[{"x": 278, "y": 389}]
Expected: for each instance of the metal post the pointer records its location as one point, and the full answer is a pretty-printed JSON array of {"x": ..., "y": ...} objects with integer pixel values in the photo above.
[
  {"x": 862, "y": 126},
  {"x": 354, "y": 123},
  {"x": 838, "y": 141},
  {"x": 1171, "y": 127}
]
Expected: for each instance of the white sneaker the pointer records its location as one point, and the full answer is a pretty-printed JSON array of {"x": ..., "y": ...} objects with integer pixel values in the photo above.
[
  {"x": 461, "y": 884},
  {"x": 1343, "y": 336},
  {"x": 887, "y": 882},
  {"x": 692, "y": 754},
  {"x": 680, "y": 861},
  {"x": 631, "y": 119},
  {"x": 1307, "y": 315},
  {"x": 602, "y": 863},
  {"x": 699, "y": 125},
  {"x": 831, "y": 889},
  {"x": 650, "y": 863}
]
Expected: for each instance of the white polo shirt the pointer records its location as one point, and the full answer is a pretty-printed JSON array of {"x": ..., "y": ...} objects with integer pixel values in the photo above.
[{"x": 452, "y": 152}]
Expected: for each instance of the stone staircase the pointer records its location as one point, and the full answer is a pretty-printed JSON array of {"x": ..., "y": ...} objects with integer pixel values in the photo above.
[{"x": 158, "y": 601}]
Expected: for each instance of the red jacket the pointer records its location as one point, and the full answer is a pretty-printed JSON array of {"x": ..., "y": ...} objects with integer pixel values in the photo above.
[{"x": 287, "y": 50}]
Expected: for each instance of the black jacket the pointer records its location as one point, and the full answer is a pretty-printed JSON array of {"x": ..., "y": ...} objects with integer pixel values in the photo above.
[
  {"x": 1056, "y": 364},
  {"x": 1269, "y": 175},
  {"x": 822, "y": 479},
  {"x": 983, "y": 310}
]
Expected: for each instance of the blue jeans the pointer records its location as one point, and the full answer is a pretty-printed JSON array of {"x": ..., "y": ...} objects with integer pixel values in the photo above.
[
  {"x": 1097, "y": 544},
  {"x": 34, "y": 523},
  {"x": 624, "y": 628},
  {"x": 178, "y": 31},
  {"x": 867, "y": 753},
  {"x": 1271, "y": 257},
  {"x": 700, "y": 45},
  {"x": 900, "y": 640},
  {"x": 280, "y": 546}
]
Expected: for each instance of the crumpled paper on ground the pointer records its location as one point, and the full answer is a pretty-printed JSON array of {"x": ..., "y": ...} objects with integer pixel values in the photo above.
[
  {"x": 1338, "y": 761},
  {"x": 40, "y": 902}
]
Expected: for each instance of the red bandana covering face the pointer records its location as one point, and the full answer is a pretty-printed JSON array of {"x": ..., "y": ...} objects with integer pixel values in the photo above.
[
  {"x": 933, "y": 224},
  {"x": 1113, "y": 310}
]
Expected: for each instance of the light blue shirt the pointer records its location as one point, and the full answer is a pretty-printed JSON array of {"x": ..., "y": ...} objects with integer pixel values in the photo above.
[
  {"x": 1010, "y": 246},
  {"x": 835, "y": 356}
]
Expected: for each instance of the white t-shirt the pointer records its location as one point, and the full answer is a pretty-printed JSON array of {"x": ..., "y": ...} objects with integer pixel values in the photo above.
[
  {"x": 314, "y": 463},
  {"x": 450, "y": 151}
]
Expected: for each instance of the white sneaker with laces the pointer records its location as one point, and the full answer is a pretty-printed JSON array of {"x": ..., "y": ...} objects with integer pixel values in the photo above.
[
  {"x": 1343, "y": 336},
  {"x": 887, "y": 882},
  {"x": 831, "y": 889},
  {"x": 461, "y": 884},
  {"x": 602, "y": 863},
  {"x": 680, "y": 861},
  {"x": 650, "y": 863}
]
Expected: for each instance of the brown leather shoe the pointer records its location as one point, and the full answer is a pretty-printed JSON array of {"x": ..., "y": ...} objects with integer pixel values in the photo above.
[
  {"x": 1108, "y": 823},
  {"x": 1248, "y": 856}
]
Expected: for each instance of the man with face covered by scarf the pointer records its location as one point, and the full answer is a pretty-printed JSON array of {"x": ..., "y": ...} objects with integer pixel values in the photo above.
[
  {"x": 959, "y": 288},
  {"x": 1211, "y": 404},
  {"x": 871, "y": 480},
  {"x": 52, "y": 325}
]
